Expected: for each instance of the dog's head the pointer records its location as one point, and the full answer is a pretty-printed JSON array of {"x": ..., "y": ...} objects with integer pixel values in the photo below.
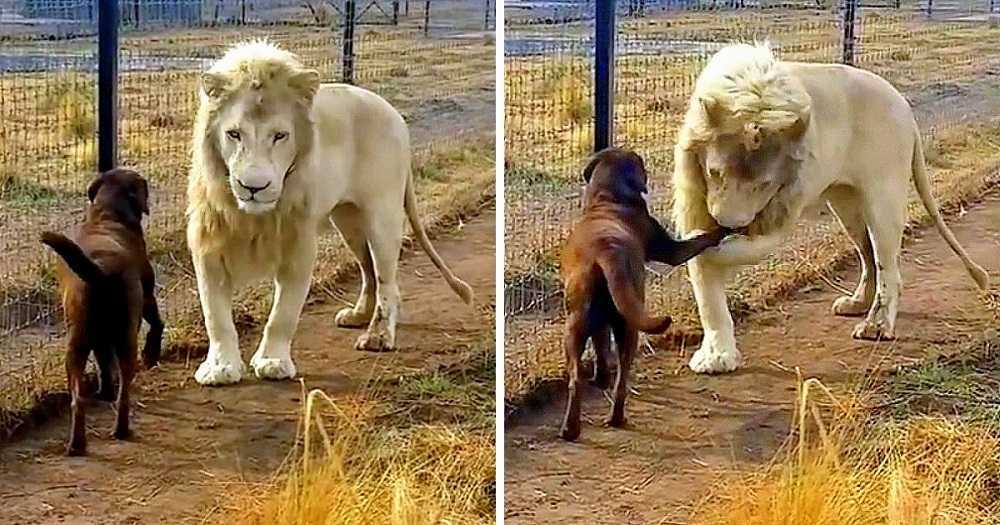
[
  {"x": 121, "y": 191},
  {"x": 617, "y": 174}
]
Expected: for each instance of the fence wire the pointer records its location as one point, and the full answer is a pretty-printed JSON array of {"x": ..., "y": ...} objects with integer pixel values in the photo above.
[
  {"x": 435, "y": 66},
  {"x": 942, "y": 56}
]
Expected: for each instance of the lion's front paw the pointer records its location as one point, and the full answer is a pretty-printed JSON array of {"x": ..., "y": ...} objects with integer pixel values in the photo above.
[
  {"x": 849, "y": 306},
  {"x": 273, "y": 367},
  {"x": 375, "y": 342},
  {"x": 715, "y": 359},
  {"x": 878, "y": 329},
  {"x": 351, "y": 318},
  {"x": 216, "y": 370}
]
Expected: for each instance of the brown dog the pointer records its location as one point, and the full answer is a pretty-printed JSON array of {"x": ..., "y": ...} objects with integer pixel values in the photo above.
[
  {"x": 107, "y": 285},
  {"x": 603, "y": 271}
]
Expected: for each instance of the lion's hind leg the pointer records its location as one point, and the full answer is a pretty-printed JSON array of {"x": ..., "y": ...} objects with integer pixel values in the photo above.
[
  {"x": 385, "y": 240},
  {"x": 886, "y": 220},
  {"x": 349, "y": 221},
  {"x": 848, "y": 208}
]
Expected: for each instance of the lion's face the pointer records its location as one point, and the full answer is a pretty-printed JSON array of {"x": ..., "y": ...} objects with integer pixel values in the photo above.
[
  {"x": 257, "y": 138},
  {"x": 742, "y": 176}
]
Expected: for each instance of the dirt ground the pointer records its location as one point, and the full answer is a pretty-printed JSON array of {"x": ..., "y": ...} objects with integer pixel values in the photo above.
[
  {"x": 190, "y": 441},
  {"x": 684, "y": 430}
]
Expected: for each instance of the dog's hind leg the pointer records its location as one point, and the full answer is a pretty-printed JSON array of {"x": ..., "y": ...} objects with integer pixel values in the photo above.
[
  {"x": 348, "y": 220},
  {"x": 847, "y": 207},
  {"x": 601, "y": 340},
  {"x": 126, "y": 372},
  {"x": 76, "y": 363},
  {"x": 627, "y": 342},
  {"x": 574, "y": 341}
]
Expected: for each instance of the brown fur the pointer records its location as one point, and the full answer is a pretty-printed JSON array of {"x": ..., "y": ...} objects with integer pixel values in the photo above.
[
  {"x": 107, "y": 287},
  {"x": 603, "y": 271}
]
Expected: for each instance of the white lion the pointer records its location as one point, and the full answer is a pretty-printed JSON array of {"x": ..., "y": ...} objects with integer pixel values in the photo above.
[
  {"x": 276, "y": 158},
  {"x": 762, "y": 140}
]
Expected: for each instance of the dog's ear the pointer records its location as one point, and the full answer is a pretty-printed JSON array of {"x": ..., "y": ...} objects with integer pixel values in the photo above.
[
  {"x": 94, "y": 187},
  {"x": 588, "y": 172}
]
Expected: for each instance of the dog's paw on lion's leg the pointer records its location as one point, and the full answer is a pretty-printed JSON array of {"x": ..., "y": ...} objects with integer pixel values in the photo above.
[
  {"x": 714, "y": 357},
  {"x": 220, "y": 368}
]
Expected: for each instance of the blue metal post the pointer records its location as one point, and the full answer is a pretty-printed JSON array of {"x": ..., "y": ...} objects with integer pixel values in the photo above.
[
  {"x": 604, "y": 75},
  {"x": 107, "y": 84}
]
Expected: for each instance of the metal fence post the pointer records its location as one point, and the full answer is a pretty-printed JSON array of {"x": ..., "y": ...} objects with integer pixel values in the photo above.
[
  {"x": 930, "y": 8},
  {"x": 395, "y": 12},
  {"x": 427, "y": 17},
  {"x": 107, "y": 84},
  {"x": 604, "y": 74},
  {"x": 406, "y": 8},
  {"x": 486, "y": 21},
  {"x": 849, "y": 20},
  {"x": 348, "y": 52}
]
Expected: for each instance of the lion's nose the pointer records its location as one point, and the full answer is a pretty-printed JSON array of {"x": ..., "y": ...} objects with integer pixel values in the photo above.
[{"x": 253, "y": 189}]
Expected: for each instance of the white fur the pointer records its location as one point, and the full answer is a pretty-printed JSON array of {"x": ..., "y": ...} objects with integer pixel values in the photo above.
[
  {"x": 344, "y": 159},
  {"x": 800, "y": 134}
]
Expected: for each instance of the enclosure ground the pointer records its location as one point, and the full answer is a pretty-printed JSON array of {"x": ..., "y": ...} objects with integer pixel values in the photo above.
[
  {"x": 684, "y": 429},
  {"x": 192, "y": 443}
]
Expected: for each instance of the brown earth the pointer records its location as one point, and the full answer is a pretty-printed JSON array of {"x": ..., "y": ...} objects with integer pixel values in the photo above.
[
  {"x": 192, "y": 442},
  {"x": 685, "y": 430}
]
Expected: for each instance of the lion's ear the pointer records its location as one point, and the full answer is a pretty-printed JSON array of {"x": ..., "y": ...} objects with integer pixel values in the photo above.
[
  {"x": 711, "y": 108},
  {"x": 305, "y": 83},
  {"x": 213, "y": 84}
]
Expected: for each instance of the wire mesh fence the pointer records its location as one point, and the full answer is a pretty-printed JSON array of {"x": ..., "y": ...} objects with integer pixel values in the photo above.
[
  {"x": 945, "y": 63},
  {"x": 440, "y": 76}
]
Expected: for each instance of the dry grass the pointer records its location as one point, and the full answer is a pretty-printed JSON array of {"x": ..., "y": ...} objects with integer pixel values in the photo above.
[
  {"x": 352, "y": 471},
  {"x": 861, "y": 464},
  {"x": 380, "y": 457}
]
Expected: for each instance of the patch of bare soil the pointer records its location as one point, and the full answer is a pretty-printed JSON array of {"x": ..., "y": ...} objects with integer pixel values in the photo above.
[
  {"x": 684, "y": 429},
  {"x": 191, "y": 442}
]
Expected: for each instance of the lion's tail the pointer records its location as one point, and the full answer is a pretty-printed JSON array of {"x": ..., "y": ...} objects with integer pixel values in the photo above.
[
  {"x": 924, "y": 190},
  {"x": 459, "y": 286}
]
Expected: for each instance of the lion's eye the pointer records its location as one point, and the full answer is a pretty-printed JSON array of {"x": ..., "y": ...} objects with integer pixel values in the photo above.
[
  {"x": 233, "y": 134},
  {"x": 279, "y": 136}
]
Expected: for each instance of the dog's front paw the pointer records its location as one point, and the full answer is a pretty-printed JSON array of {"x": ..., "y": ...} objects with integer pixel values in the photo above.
[
  {"x": 714, "y": 358},
  {"x": 351, "y": 318},
  {"x": 216, "y": 370},
  {"x": 273, "y": 367}
]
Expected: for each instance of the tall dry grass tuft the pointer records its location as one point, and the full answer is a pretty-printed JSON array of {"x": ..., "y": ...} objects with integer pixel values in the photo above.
[
  {"x": 918, "y": 471},
  {"x": 351, "y": 472}
]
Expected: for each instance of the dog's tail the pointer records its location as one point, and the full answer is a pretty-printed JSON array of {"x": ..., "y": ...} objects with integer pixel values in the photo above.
[
  {"x": 622, "y": 286},
  {"x": 70, "y": 252},
  {"x": 460, "y": 287}
]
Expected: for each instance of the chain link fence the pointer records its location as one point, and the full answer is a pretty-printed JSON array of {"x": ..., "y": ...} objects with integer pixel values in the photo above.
[
  {"x": 433, "y": 60},
  {"x": 943, "y": 57}
]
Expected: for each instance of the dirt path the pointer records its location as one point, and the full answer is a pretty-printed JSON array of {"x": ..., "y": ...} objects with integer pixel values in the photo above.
[
  {"x": 191, "y": 441},
  {"x": 684, "y": 429}
]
